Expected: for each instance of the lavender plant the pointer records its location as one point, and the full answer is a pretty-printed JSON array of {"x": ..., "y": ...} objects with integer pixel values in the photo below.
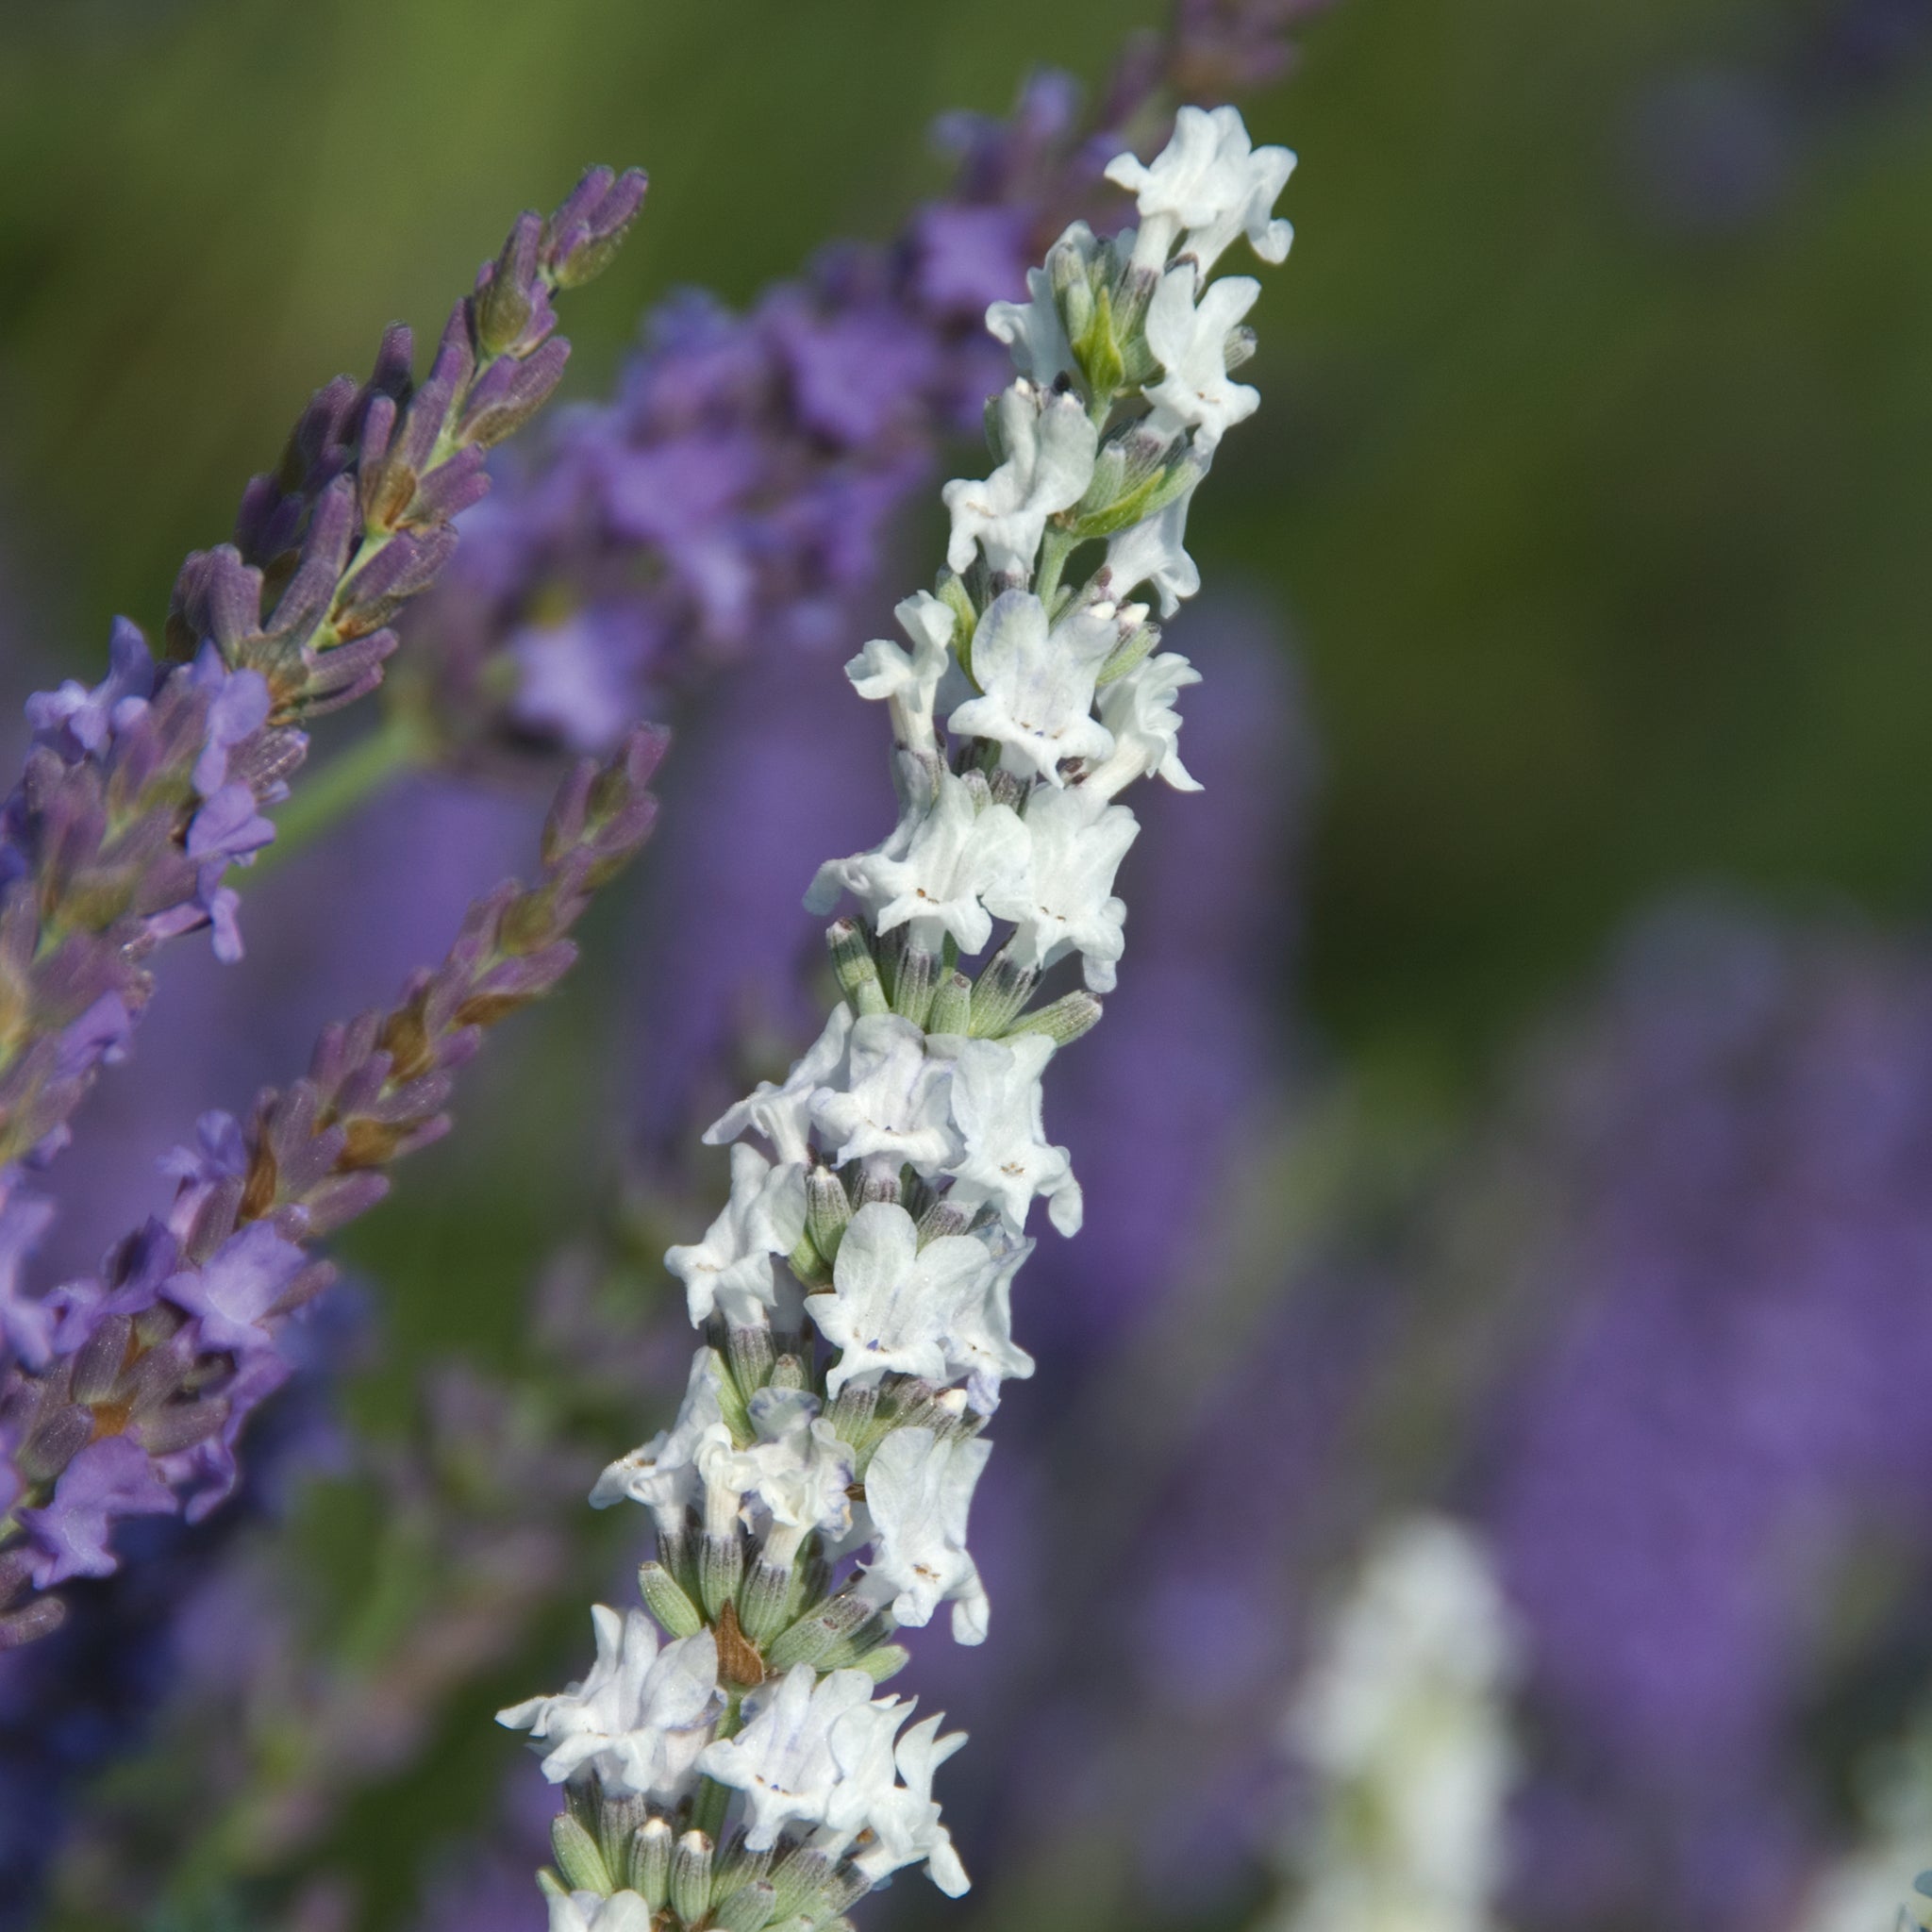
[
  {"x": 743, "y": 1773},
  {"x": 124, "y": 1395},
  {"x": 151, "y": 1369},
  {"x": 142, "y": 791}
]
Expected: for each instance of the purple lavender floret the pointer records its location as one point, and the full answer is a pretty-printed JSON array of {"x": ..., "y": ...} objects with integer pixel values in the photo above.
[
  {"x": 140, "y": 792},
  {"x": 142, "y": 1378},
  {"x": 108, "y": 1479},
  {"x": 734, "y": 497}
]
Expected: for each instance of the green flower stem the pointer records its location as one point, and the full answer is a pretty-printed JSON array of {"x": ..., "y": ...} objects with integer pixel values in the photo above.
[
  {"x": 1056, "y": 548},
  {"x": 402, "y": 742}
]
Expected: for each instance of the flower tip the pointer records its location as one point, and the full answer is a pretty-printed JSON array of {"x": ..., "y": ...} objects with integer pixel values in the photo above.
[{"x": 644, "y": 752}]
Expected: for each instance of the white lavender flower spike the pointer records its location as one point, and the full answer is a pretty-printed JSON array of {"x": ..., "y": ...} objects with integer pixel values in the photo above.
[{"x": 855, "y": 1295}]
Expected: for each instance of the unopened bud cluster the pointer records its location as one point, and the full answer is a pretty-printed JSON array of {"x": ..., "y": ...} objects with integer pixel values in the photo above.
[{"x": 812, "y": 1498}]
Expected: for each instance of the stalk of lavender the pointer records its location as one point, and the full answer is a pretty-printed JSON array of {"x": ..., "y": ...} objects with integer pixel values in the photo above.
[
  {"x": 744, "y": 1774},
  {"x": 737, "y": 491},
  {"x": 1401, "y": 1728},
  {"x": 140, "y": 794},
  {"x": 144, "y": 1377}
]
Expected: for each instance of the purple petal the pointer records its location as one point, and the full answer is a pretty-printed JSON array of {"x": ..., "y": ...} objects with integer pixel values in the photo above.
[
  {"x": 235, "y": 1288},
  {"x": 110, "y": 1478}
]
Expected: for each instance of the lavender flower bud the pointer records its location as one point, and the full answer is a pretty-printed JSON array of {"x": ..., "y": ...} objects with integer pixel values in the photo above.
[
  {"x": 1002, "y": 989},
  {"x": 503, "y": 302},
  {"x": 952, "y": 1006},
  {"x": 763, "y": 1600},
  {"x": 798, "y": 1880},
  {"x": 915, "y": 980},
  {"x": 650, "y": 1863},
  {"x": 808, "y": 1642},
  {"x": 585, "y": 233},
  {"x": 747, "y": 1909},
  {"x": 857, "y": 970},
  {"x": 720, "y": 1569},
  {"x": 828, "y": 1211},
  {"x": 577, "y": 1856},
  {"x": 667, "y": 1601},
  {"x": 690, "y": 1877},
  {"x": 1061, "y": 1020}
]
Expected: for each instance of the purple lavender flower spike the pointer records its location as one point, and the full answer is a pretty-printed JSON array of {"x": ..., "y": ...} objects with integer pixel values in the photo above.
[
  {"x": 1732, "y": 1152},
  {"x": 146, "y": 1374},
  {"x": 141, "y": 792}
]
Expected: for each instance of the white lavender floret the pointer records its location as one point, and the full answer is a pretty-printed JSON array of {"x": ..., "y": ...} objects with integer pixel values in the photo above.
[
  {"x": 893, "y": 1103},
  {"x": 1139, "y": 709},
  {"x": 883, "y": 670},
  {"x": 898, "y": 1307},
  {"x": 905, "y": 1820},
  {"x": 663, "y": 1473},
  {"x": 589, "y": 1911},
  {"x": 919, "y": 1491},
  {"x": 640, "y": 1719},
  {"x": 1034, "y": 329},
  {"x": 1049, "y": 445},
  {"x": 730, "y": 1270},
  {"x": 999, "y": 1111},
  {"x": 1066, "y": 903},
  {"x": 1208, "y": 185},
  {"x": 791, "y": 1757},
  {"x": 1154, "y": 552},
  {"x": 1037, "y": 683},
  {"x": 934, "y": 871},
  {"x": 792, "y": 1479},
  {"x": 1192, "y": 343},
  {"x": 984, "y": 1350}
]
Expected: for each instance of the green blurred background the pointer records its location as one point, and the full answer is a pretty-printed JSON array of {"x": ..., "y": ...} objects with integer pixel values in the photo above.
[{"x": 1599, "y": 514}]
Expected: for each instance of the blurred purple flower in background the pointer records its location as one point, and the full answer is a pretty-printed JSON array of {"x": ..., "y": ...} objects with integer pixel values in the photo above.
[{"x": 1713, "y": 1487}]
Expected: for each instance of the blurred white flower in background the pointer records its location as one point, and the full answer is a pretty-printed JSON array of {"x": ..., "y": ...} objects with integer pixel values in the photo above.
[{"x": 1402, "y": 1728}]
